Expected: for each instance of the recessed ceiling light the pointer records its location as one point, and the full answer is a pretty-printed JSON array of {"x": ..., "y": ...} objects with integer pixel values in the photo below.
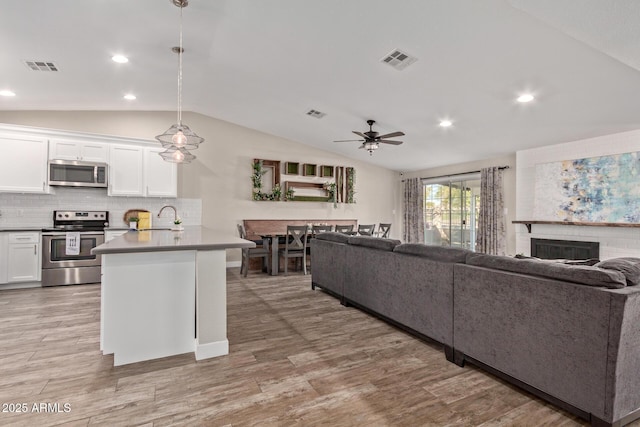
[
  {"x": 7, "y": 93},
  {"x": 445, "y": 123},
  {"x": 120, "y": 59},
  {"x": 130, "y": 97},
  {"x": 526, "y": 97}
]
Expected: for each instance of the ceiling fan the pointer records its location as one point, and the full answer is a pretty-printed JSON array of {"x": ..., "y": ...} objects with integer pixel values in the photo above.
[{"x": 371, "y": 138}]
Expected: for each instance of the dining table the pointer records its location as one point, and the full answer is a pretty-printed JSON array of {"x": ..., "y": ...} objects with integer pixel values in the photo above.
[{"x": 274, "y": 241}]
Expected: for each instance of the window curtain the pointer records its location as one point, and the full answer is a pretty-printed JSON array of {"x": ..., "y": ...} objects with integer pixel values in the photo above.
[
  {"x": 491, "y": 238},
  {"x": 413, "y": 211}
]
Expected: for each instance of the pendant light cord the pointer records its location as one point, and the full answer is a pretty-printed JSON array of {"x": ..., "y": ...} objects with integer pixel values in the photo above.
[{"x": 180, "y": 73}]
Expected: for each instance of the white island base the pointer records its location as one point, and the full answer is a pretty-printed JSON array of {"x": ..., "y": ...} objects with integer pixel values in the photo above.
[{"x": 149, "y": 305}]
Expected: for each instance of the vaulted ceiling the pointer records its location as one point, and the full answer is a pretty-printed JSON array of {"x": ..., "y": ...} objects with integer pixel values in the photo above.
[{"x": 265, "y": 64}]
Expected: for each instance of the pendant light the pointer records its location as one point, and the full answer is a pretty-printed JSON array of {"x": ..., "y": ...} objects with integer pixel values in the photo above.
[{"x": 179, "y": 139}]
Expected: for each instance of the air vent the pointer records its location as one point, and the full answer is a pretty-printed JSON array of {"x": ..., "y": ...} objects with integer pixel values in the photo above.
[
  {"x": 399, "y": 59},
  {"x": 41, "y": 65},
  {"x": 315, "y": 113}
]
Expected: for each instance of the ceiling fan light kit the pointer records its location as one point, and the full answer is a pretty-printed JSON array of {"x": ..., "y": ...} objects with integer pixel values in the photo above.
[
  {"x": 372, "y": 140},
  {"x": 179, "y": 138}
]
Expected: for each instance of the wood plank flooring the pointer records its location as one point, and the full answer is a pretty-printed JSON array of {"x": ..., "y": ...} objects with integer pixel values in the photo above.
[{"x": 297, "y": 357}]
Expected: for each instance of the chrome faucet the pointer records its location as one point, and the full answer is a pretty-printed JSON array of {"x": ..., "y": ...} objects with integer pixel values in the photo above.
[{"x": 175, "y": 212}]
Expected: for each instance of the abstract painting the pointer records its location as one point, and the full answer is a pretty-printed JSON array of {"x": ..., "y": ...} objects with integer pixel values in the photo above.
[{"x": 596, "y": 189}]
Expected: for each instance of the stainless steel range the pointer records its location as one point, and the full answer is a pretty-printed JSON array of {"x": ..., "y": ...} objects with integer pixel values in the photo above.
[{"x": 66, "y": 247}]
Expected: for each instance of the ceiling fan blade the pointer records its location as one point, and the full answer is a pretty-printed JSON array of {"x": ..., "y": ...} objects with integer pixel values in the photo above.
[
  {"x": 359, "y": 134},
  {"x": 350, "y": 140},
  {"x": 391, "y": 135},
  {"x": 391, "y": 142}
]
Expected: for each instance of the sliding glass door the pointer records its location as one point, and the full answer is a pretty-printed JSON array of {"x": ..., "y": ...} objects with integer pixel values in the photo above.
[{"x": 451, "y": 210}]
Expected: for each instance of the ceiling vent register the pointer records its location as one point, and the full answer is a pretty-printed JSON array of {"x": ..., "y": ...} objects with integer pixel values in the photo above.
[
  {"x": 315, "y": 113},
  {"x": 399, "y": 59},
  {"x": 41, "y": 65}
]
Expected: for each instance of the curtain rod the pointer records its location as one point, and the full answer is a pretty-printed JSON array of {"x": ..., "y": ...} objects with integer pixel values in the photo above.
[{"x": 457, "y": 174}]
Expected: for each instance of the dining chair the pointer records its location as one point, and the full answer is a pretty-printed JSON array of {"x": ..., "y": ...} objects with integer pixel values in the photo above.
[
  {"x": 345, "y": 229},
  {"x": 366, "y": 230},
  {"x": 257, "y": 252},
  {"x": 295, "y": 246},
  {"x": 315, "y": 229},
  {"x": 383, "y": 230}
]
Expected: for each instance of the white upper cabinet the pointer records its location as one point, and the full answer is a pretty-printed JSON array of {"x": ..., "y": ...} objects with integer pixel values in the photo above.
[
  {"x": 23, "y": 164},
  {"x": 126, "y": 176},
  {"x": 75, "y": 150},
  {"x": 140, "y": 171},
  {"x": 161, "y": 177}
]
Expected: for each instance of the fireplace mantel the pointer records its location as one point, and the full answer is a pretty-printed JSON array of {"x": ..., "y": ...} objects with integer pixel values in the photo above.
[{"x": 583, "y": 224}]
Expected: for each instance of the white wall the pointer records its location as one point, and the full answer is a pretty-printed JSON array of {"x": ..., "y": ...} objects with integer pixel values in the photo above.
[
  {"x": 614, "y": 241},
  {"x": 221, "y": 174},
  {"x": 509, "y": 187}
]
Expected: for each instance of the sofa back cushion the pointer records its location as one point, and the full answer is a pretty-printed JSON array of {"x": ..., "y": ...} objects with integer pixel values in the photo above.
[
  {"x": 436, "y": 253},
  {"x": 628, "y": 266},
  {"x": 374, "y": 242},
  {"x": 332, "y": 236},
  {"x": 582, "y": 274}
]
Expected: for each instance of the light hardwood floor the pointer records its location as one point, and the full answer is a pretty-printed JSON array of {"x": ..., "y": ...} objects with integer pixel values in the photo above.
[{"x": 297, "y": 357}]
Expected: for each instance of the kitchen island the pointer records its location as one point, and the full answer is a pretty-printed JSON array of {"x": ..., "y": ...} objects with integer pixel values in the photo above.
[{"x": 164, "y": 293}]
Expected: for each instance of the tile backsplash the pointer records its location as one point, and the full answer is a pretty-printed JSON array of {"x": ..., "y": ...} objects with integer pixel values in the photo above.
[{"x": 36, "y": 210}]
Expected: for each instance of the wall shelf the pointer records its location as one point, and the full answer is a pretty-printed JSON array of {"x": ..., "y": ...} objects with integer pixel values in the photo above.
[
  {"x": 528, "y": 224},
  {"x": 309, "y": 169},
  {"x": 292, "y": 168}
]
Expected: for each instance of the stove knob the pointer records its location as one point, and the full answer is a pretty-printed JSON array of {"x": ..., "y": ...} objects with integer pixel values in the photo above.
[{"x": 66, "y": 215}]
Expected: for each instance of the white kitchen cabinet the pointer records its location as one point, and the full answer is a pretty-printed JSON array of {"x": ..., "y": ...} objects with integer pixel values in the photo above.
[
  {"x": 126, "y": 174},
  {"x": 4, "y": 248},
  {"x": 161, "y": 177},
  {"x": 140, "y": 171},
  {"x": 75, "y": 150},
  {"x": 23, "y": 164},
  {"x": 23, "y": 257}
]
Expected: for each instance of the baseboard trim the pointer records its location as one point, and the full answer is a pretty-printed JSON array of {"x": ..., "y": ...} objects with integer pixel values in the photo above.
[
  {"x": 20, "y": 285},
  {"x": 232, "y": 264},
  {"x": 211, "y": 349}
]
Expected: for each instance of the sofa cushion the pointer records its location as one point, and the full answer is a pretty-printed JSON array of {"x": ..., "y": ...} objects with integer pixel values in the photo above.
[
  {"x": 374, "y": 242},
  {"x": 437, "y": 253},
  {"x": 332, "y": 236},
  {"x": 628, "y": 266},
  {"x": 589, "y": 261},
  {"x": 582, "y": 274}
]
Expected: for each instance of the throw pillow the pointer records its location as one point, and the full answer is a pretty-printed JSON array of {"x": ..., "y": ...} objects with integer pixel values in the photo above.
[{"x": 628, "y": 266}]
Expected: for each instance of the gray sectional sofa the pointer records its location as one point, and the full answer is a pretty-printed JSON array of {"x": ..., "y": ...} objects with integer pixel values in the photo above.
[{"x": 567, "y": 333}]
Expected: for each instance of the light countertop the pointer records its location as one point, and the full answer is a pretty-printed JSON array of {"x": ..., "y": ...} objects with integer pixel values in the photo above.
[{"x": 191, "y": 238}]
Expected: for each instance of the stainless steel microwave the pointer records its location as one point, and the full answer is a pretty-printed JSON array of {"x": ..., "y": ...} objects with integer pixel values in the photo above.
[{"x": 73, "y": 173}]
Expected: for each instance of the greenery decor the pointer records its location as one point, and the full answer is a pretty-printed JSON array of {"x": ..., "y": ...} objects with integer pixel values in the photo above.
[
  {"x": 351, "y": 185},
  {"x": 288, "y": 195},
  {"x": 258, "y": 172},
  {"x": 276, "y": 193},
  {"x": 331, "y": 190}
]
